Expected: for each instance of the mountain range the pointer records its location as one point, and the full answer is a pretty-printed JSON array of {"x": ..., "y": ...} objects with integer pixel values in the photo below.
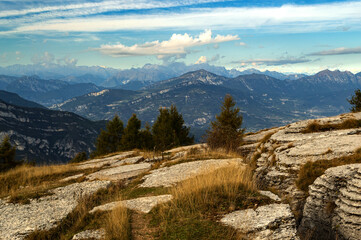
[
  {"x": 264, "y": 101},
  {"x": 130, "y": 79}
]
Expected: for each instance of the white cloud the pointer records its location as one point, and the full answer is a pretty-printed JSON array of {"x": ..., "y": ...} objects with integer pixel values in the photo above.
[
  {"x": 177, "y": 44},
  {"x": 242, "y": 44},
  {"x": 43, "y": 59},
  {"x": 287, "y": 18},
  {"x": 202, "y": 59}
]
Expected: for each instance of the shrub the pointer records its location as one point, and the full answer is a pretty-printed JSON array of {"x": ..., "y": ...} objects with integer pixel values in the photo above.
[
  {"x": 80, "y": 157},
  {"x": 226, "y": 131}
]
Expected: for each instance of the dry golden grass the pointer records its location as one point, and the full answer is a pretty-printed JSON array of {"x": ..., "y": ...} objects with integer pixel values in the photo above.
[
  {"x": 117, "y": 224},
  {"x": 32, "y": 181},
  {"x": 199, "y": 202},
  {"x": 312, "y": 170},
  {"x": 196, "y": 191},
  {"x": 315, "y": 126}
]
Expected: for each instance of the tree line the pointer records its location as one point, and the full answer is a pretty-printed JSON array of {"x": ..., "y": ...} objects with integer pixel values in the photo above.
[{"x": 168, "y": 131}]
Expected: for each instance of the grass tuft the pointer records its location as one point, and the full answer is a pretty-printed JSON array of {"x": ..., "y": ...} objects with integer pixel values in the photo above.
[
  {"x": 312, "y": 170},
  {"x": 117, "y": 224},
  {"x": 317, "y": 127}
]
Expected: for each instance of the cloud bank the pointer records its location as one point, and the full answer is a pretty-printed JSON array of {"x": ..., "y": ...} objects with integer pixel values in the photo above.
[
  {"x": 338, "y": 51},
  {"x": 287, "y": 18},
  {"x": 178, "y": 44}
]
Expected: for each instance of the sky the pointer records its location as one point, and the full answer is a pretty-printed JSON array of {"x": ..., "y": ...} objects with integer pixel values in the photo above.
[{"x": 286, "y": 36}]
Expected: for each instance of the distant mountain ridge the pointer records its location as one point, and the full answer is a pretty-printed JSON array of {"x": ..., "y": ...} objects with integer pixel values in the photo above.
[
  {"x": 14, "y": 99},
  {"x": 130, "y": 79},
  {"x": 47, "y": 136},
  {"x": 45, "y": 92}
]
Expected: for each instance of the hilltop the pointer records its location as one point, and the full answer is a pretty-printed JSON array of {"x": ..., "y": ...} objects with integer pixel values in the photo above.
[{"x": 300, "y": 181}]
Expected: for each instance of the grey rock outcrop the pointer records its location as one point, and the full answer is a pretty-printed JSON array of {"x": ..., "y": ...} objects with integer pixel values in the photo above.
[
  {"x": 274, "y": 221},
  {"x": 120, "y": 172},
  {"x": 333, "y": 209},
  {"x": 17, "y": 221}
]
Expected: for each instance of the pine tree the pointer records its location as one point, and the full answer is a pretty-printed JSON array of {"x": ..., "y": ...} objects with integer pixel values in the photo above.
[
  {"x": 7, "y": 155},
  {"x": 131, "y": 136},
  {"x": 355, "y": 101},
  {"x": 226, "y": 130},
  {"x": 169, "y": 130},
  {"x": 109, "y": 140},
  {"x": 162, "y": 131},
  {"x": 146, "y": 138}
]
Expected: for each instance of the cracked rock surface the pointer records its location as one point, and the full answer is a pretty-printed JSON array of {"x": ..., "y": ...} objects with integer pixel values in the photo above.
[
  {"x": 333, "y": 209},
  {"x": 169, "y": 176}
]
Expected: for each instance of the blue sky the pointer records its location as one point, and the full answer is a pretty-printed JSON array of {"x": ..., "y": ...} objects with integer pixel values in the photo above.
[{"x": 286, "y": 36}]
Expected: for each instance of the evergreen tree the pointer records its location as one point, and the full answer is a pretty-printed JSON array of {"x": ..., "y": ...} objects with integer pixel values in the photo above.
[
  {"x": 109, "y": 140},
  {"x": 7, "y": 155},
  {"x": 131, "y": 136},
  {"x": 226, "y": 130},
  {"x": 146, "y": 138},
  {"x": 355, "y": 101},
  {"x": 169, "y": 130}
]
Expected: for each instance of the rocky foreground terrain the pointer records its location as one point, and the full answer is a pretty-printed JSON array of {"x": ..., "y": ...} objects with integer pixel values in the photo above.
[{"x": 331, "y": 209}]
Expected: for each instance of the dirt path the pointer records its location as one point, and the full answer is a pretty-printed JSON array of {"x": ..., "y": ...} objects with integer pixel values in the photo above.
[{"x": 140, "y": 227}]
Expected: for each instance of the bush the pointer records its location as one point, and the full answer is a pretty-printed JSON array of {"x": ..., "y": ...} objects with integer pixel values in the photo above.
[
  {"x": 7, "y": 155},
  {"x": 80, "y": 157},
  {"x": 355, "y": 101},
  {"x": 226, "y": 131}
]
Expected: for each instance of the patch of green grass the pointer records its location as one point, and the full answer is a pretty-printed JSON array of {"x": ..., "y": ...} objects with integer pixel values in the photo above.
[
  {"x": 136, "y": 192},
  {"x": 312, "y": 170}
]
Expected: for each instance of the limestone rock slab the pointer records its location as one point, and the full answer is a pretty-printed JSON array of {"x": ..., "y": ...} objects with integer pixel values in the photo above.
[
  {"x": 143, "y": 204},
  {"x": 274, "y": 221},
  {"x": 120, "y": 172}
]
